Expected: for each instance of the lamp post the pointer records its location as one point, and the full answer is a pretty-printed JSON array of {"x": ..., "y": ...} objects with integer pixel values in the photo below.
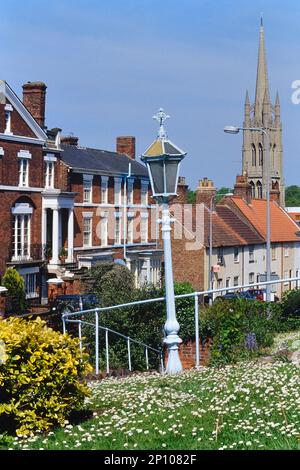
[
  {"x": 163, "y": 159},
  {"x": 236, "y": 130}
]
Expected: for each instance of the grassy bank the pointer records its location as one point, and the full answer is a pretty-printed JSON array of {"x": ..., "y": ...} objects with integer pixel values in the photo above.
[{"x": 247, "y": 406}]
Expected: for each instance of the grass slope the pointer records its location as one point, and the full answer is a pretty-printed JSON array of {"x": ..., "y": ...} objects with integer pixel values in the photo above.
[{"x": 247, "y": 406}]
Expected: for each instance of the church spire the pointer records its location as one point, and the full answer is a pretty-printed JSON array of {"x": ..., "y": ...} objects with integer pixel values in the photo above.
[
  {"x": 247, "y": 110},
  {"x": 262, "y": 82}
]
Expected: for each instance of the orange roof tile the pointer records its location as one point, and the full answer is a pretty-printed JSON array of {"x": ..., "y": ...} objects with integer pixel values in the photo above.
[{"x": 283, "y": 228}]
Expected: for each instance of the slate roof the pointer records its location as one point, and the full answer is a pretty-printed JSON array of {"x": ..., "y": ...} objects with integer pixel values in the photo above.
[{"x": 101, "y": 161}]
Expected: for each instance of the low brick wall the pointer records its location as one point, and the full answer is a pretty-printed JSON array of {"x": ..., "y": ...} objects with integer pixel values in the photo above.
[{"x": 187, "y": 354}]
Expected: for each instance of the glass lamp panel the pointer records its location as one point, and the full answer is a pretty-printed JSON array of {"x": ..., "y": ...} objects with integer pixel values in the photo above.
[
  {"x": 157, "y": 173},
  {"x": 171, "y": 175}
]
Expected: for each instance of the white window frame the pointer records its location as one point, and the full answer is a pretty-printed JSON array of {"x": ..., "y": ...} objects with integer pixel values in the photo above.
[
  {"x": 251, "y": 254},
  {"x": 130, "y": 183},
  {"x": 144, "y": 226},
  {"x": 87, "y": 188},
  {"x": 87, "y": 243},
  {"x": 236, "y": 256},
  {"x": 235, "y": 281},
  {"x": 130, "y": 226},
  {"x": 23, "y": 173},
  {"x": 117, "y": 191},
  {"x": 22, "y": 227},
  {"x": 50, "y": 161},
  {"x": 144, "y": 192},
  {"x": 286, "y": 251},
  {"x": 118, "y": 228},
  {"x": 104, "y": 229},
  {"x": 104, "y": 189},
  {"x": 251, "y": 278},
  {"x": 8, "y": 110}
]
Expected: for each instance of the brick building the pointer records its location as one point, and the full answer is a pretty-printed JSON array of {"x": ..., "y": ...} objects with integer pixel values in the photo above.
[
  {"x": 236, "y": 227},
  {"x": 63, "y": 206}
]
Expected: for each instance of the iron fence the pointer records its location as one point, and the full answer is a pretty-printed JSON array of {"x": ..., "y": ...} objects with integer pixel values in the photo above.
[{"x": 67, "y": 318}]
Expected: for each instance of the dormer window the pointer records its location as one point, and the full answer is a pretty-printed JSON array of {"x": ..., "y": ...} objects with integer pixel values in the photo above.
[{"x": 8, "y": 109}]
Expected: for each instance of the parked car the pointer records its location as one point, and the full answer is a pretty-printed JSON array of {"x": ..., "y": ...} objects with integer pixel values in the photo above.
[
  {"x": 69, "y": 304},
  {"x": 73, "y": 303},
  {"x": 235, "y": 295},
  {"x": 260, "y": 294}
]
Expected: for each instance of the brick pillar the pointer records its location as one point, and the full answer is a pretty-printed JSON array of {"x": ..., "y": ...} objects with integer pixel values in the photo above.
[
  {"x": 3, "y": 291},
  {"x": 34, "y": 98},
  {"x": 205, "y": 192},
  {"x": 242, "y": 188},
  {"x": 182, "y": 190},
  {"x": 126, "y": 144},
  {"x": 55, "y": 287}
]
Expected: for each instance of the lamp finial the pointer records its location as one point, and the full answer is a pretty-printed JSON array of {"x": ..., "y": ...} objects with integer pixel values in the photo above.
[{"x": 161, "y": 117}]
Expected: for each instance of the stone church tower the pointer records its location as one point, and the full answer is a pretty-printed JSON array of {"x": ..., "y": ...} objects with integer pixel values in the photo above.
[{"x": 263, "y": 114}]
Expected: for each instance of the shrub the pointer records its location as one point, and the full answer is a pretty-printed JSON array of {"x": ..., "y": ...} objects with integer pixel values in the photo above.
[
  {"x": 114, "y": 284},
  {"x": 239, "y": 329},
  {"x": 15, "y": 286},
  {"x": 40, "y": 376},
  {"x": 290, "y": 305}
]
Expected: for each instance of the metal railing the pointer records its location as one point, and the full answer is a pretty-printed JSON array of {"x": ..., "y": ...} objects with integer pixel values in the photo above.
[
  {"x": 107, "y": 330},
  {"x": 196, "y": 295}
]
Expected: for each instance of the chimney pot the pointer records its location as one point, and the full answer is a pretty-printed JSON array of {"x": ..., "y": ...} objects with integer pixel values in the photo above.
[
  {"x": 34, "y": 98},
  {"x": 69, "y": 140}
]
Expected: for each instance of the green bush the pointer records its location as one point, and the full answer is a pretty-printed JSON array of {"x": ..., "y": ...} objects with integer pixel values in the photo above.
[
  {"x": 114, "y": 284},
  {"x": 239, "y": 329},
  {"x": 15, "y": 286},
  {"x": 290, "y": 306},
  {"x": 41, "y": 375}
]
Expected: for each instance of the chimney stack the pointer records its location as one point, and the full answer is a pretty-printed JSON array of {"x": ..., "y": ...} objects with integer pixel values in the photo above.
[
  {"x": 182, "y": 190},
  {"x": 242, "y": 188},
  {"x": 205, "y": 192},
  {"x": 69, "y": 140},
  {"x": 126, "y": 144},
  {"x": 34, "y": 98}
]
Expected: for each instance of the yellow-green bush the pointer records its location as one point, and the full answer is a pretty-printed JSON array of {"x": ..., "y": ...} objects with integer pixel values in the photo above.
[{"x": 41, "y": 376}]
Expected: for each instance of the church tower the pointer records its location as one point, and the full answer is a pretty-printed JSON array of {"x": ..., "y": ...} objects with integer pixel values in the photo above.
[{"x": 263, "y": 114}]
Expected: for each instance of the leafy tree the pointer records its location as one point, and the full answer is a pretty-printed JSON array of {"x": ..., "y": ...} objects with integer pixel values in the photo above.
[
  {"x": 221, "y": 192},
  {"x": 15, "y": 286},
  {"x": 191, "y": 197},
  {"x": 292, "y": 196}
]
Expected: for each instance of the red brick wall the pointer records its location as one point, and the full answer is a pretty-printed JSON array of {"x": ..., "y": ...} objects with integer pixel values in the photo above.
[
  {"x": 18, "y": 125},
  {"x": 34, "y": 98},
  {"x": 9, "y": 174},
  {"x": 187, "y": 354},
  {"x": 126, "y": 144}
]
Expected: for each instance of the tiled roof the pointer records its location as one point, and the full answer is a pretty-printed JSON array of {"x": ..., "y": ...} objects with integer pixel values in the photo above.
[
  {"x": 228, "y": 229},
  {"x": 283, "y": 228},
  {"x": 101, "y": 161}
]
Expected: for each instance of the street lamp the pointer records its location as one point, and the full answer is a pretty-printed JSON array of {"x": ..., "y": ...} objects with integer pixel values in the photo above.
[
  {"x": 236, "y": 130},
  {"x": 163, "y": 159}
]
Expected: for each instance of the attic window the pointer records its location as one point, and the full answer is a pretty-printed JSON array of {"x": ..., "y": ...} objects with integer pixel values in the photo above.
[{"x": 8, "y": 109}]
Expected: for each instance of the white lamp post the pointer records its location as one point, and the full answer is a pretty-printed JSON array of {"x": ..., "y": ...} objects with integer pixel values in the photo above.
[
  {"x": 163, "y": 161},
  {"x": 236, "y": 130}
]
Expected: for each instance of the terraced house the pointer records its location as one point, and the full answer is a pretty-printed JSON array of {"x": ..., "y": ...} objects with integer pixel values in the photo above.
[{"x": 63, "y": 206}]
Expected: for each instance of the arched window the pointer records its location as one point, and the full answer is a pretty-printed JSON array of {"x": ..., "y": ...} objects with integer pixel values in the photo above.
[
  {"x": 22, "y": 212},
  {"x": 253, "y": 153},
  {"x": 259, "y": 190},
  {"x": 252, "y": 189},
  {"x": 260, "y": 155}
]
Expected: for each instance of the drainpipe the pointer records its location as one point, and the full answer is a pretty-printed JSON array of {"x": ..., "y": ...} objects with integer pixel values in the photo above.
[{"x": 125, "y": 213}]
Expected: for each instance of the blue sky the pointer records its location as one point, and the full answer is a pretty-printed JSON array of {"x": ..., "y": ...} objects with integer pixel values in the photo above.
[{"x": 110, "y": 64}]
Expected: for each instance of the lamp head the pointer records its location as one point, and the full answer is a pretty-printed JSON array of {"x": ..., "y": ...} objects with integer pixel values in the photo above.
[{"x": 231, "y": 130}]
